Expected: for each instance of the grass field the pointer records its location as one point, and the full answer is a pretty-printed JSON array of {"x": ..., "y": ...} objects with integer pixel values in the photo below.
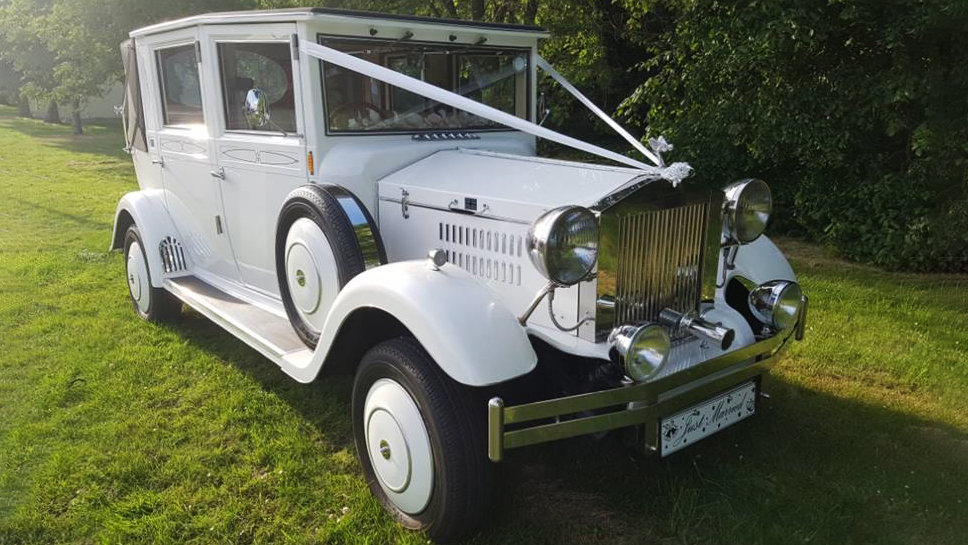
[{"x": 113, "y": 430}]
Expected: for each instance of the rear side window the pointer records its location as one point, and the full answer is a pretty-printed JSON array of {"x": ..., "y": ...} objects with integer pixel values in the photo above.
[
  {"x": 253, "y": 65},
  {"x": 133, "y": 110},
  {"x": 180, "y": 90}
]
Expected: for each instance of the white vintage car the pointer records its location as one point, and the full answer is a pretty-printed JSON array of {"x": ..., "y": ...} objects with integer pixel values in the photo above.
[{"x": 352, "y": 191}]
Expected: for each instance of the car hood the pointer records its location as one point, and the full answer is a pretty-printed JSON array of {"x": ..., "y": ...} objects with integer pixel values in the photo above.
[{"x": 502, "y": 185}]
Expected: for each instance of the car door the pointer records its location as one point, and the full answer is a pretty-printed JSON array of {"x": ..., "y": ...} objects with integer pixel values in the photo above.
[
  {"x": 184, "y": 152},
  {"x": 258, "y": 165}
]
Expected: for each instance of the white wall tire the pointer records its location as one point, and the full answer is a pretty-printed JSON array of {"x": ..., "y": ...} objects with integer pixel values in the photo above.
[
  {"x": 421, "y": 440},
  {"x": 317, "y": 253},
  {"x": 398, "y": 446},
  {"x": 136, "y": 270},
  {"x": 311, "y": 272},
  {"x": 152, "y": 304}
]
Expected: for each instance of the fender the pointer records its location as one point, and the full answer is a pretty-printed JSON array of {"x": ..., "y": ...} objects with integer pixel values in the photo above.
[
  {"x": 146, "y": 209},
  {"x": 761, "y": 261},
  {"x": 461, "y": 323}
]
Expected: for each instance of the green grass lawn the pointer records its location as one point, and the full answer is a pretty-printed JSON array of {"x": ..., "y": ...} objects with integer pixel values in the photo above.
[{"x": 114, "y": 430}]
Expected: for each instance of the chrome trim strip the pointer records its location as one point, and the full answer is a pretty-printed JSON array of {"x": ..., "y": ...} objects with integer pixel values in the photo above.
[
  {"x": 801, "y": 327},
  {"x": 413, "y": 203},
  {"x": 366, "y": 233},
  {"x": 645, "y": 402}
]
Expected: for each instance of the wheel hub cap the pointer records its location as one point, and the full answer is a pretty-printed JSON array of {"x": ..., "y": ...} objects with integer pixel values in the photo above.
[
  {"x": 398, "y": 446},
  {"x": 385, "y": 449},
  {"x": 394, "y": 473},
  {"x": 311, "y": 272},
  {"x": 137, "y": 273},
  {"x": 304, "y": 285}
]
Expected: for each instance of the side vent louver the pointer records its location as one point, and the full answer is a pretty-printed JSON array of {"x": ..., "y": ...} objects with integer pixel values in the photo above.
[
  {"x": 493, "y": 255},
  {"x": 172, "y": 255}
]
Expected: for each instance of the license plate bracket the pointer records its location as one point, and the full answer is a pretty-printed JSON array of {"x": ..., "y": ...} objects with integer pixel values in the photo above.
[{"x": 688, "y": 426}]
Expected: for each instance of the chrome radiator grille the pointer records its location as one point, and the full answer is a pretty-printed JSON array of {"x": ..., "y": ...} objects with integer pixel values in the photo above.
[{"x": 660, "y": 258}]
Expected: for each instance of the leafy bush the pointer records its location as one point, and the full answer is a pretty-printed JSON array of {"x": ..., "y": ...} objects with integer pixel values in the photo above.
[{"x": 855, "y": 111}]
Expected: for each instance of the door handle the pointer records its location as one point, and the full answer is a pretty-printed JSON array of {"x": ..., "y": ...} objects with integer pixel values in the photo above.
[
  {"x": 220, "y": 173},
  {"x": 159, "y": 161}
]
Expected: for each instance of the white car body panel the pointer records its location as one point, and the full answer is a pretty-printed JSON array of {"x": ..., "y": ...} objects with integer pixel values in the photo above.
[
  {"x": 464, "y": 327},
  {"x": 147, "y": 209},
  {"x": 466, "y": 314},
  {"x": 761, "y": 261}
]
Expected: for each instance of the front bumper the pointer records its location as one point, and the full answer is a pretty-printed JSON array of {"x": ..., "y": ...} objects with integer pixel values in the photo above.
[{"x": 638, "y": 404}]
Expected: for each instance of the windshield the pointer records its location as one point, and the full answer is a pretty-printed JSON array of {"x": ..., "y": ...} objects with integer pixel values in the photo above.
[{"x": 497, "y": 77}]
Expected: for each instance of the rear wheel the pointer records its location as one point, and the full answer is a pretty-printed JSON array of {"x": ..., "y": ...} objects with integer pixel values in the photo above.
[
  {"x": 421, "y": 441},
  {"x": 152, "y": 304}
]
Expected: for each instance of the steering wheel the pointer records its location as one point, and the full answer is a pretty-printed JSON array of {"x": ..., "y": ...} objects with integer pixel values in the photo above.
[{"x": 357, "y": 107}]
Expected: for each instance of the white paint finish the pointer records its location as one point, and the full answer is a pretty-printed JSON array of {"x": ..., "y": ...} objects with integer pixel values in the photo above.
[
  {"x": 311, "y": 272},
  {"x": 761, "y": 261},
  {"x": 194, "y": 200},
  {"x": 241, "y": 155},
  {"x": 465, "y": 315},
  {"x": 344, "y": 161},
  {"x": 477, "y": 245},
  {"x": 261, "y": 167},
  {"x": 349, "y": 24},
  {"x": 147, "y": 208},
  {"x": 464, "y": 327},
  {"x": 514, "y": 186},
  {"x": 398, "y": 445}
]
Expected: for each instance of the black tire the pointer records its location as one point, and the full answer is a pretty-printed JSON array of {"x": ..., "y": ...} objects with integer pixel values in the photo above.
[
  {"x": 463, "y": 475},
  {"x": 162, "y": 305},
  {"x": 316, "y": 203}
]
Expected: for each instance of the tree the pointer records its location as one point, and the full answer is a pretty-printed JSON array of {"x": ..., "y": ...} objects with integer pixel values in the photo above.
[{"x": 21, "y": 23}]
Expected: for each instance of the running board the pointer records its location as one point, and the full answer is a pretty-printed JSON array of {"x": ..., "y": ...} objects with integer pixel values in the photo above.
[{"x": 269, "y": 334}]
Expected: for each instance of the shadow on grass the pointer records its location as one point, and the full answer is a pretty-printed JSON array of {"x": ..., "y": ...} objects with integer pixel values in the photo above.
[
  {"x": 84, "y": 221},
  {"x": 324, "y": 403},
  {"x": 102, "y": 136},
  {"x": 809, "y": 467}
]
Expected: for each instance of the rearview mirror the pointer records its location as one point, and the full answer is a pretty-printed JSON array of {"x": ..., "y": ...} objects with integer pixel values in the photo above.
[{"x": 256, "y": 108}]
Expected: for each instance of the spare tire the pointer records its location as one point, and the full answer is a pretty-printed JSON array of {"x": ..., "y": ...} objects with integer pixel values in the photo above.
[{"x": 324, "y": 237}]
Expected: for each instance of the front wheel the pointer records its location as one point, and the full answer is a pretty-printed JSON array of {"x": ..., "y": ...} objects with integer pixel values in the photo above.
[{"x": 421, "y": 441}]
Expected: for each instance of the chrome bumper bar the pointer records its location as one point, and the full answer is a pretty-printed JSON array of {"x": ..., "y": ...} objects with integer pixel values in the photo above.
[{"x": 643, "y": 403}]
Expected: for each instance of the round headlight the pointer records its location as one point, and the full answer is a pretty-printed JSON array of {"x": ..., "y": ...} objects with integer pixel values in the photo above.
[
  {"x": 644, "y": 349},
  {"x": 749, "y": 204},
  {"x": 563, "y": 244},
  {"x": 777, "y": 303}
]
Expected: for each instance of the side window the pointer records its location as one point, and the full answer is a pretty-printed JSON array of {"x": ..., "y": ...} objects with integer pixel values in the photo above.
[
  {"x": 132, "y": 115},
  {"x": 265, "y": 66},
  {"x": 180, "y": 90}
]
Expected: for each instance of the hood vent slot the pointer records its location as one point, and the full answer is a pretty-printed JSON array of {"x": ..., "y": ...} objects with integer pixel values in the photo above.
[{"x": 486, "y": 253}]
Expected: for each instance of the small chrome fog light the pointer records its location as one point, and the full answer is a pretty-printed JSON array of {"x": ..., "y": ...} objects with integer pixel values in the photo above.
[
  {"x": 643, "y": 348},
  {"x": 777, "y": 303}
]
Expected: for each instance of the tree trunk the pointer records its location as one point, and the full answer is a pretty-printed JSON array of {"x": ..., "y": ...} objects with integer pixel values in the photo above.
[
  {"x": 23, "y": 106},
  {"x": 76, "y": 117},
  {"x": 478, "y": 7},
  {"x": 53, "y": 115},
  {"x": 451, "y": 8},
  {"x": 530, "y": 12}
]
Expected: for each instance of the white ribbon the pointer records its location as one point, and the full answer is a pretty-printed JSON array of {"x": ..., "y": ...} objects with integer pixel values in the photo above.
[
  {"x": 674, "y": 173},
  {"x": 544, "y": 65}
]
